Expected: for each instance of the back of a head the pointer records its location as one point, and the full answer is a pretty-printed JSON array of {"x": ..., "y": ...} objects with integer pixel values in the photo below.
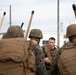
[
  {"x": 36, "y": 33},
  {"x": 71, "y": 30},
  {"x": 14, "y": 32}
]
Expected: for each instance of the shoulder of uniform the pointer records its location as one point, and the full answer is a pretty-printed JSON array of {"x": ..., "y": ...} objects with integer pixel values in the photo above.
[{"x": 68, "y": 45}]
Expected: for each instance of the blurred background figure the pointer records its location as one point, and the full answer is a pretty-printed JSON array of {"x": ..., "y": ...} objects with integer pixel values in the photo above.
[
  {"x": 49, "y": 51},
  {"x": 15, "y": 56},
  {"x": 67, "y": 59},
  {"x": 14, "y": 32}
]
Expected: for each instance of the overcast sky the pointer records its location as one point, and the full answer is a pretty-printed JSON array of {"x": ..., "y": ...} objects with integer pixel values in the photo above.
[{"x": 44, "y": 18}]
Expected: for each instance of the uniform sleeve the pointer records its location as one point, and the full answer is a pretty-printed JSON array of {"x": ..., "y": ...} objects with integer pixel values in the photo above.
[
  {"x": 40, "y": 64},
  {"x": 54, "y": 64}
]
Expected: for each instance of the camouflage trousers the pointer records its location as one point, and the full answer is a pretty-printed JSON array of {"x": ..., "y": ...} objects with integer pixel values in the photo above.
[{"x": 48, "y": 72}]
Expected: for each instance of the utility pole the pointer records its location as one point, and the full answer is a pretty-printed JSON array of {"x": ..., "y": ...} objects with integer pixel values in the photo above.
[
  {"x": 10, "y": 16},
  {"x": 61, "y": 27},
  {"x": 58, "y": 28}
]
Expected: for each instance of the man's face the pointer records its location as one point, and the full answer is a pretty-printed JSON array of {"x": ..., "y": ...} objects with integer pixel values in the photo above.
[{"x": 51, "y": 43}]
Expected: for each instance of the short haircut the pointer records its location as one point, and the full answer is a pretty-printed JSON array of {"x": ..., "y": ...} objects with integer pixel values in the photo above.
[{"x": 52, "y": 38}]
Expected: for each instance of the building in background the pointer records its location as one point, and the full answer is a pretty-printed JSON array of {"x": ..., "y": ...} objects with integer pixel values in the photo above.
[{"x": 46, "y": 36}]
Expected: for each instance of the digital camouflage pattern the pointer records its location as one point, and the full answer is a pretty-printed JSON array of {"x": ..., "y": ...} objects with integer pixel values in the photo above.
[
  {"x": 36, "y": 33},
  {"x": 67, "y": 60},
  {"x": 64, "y": 60},
  {"x": 14, "y": 32},
  {"x": 50, "y": 53},
  {"x": 55, "y": 65},
  {"x": 40, "y": 64}
]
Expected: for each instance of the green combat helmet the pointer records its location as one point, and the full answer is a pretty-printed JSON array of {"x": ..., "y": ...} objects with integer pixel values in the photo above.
[
  {"x": 37, "y": 33},
  {"x": 5, "y": 35},
  {"x": 71, "y": 30},
  {"x": 14, "y": 32}
]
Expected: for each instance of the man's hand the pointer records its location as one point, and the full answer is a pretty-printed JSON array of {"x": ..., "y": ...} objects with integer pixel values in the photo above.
[{"x": 47, "y": 60}]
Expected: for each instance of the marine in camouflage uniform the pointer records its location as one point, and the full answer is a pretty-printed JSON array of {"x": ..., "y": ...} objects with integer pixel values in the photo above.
[
  {"x": 14, "y": 32},
  {"x": 49, "y": 50},
  {"x": 35, "y": 36},
  {"x": 17, "y": 32},
  {"x": 65, "y": 58}
]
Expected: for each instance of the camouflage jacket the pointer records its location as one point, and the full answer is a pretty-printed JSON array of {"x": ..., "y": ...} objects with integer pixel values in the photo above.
[
  {"x": 54, "y": 65},
  {"x": 67, "y": 59},
  {"x": 40, "y": 64},
  {"x": 50, "y": 53}
]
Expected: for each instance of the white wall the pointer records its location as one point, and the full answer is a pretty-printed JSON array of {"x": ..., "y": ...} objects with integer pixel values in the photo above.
[{"x": 46, "y": 36}]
